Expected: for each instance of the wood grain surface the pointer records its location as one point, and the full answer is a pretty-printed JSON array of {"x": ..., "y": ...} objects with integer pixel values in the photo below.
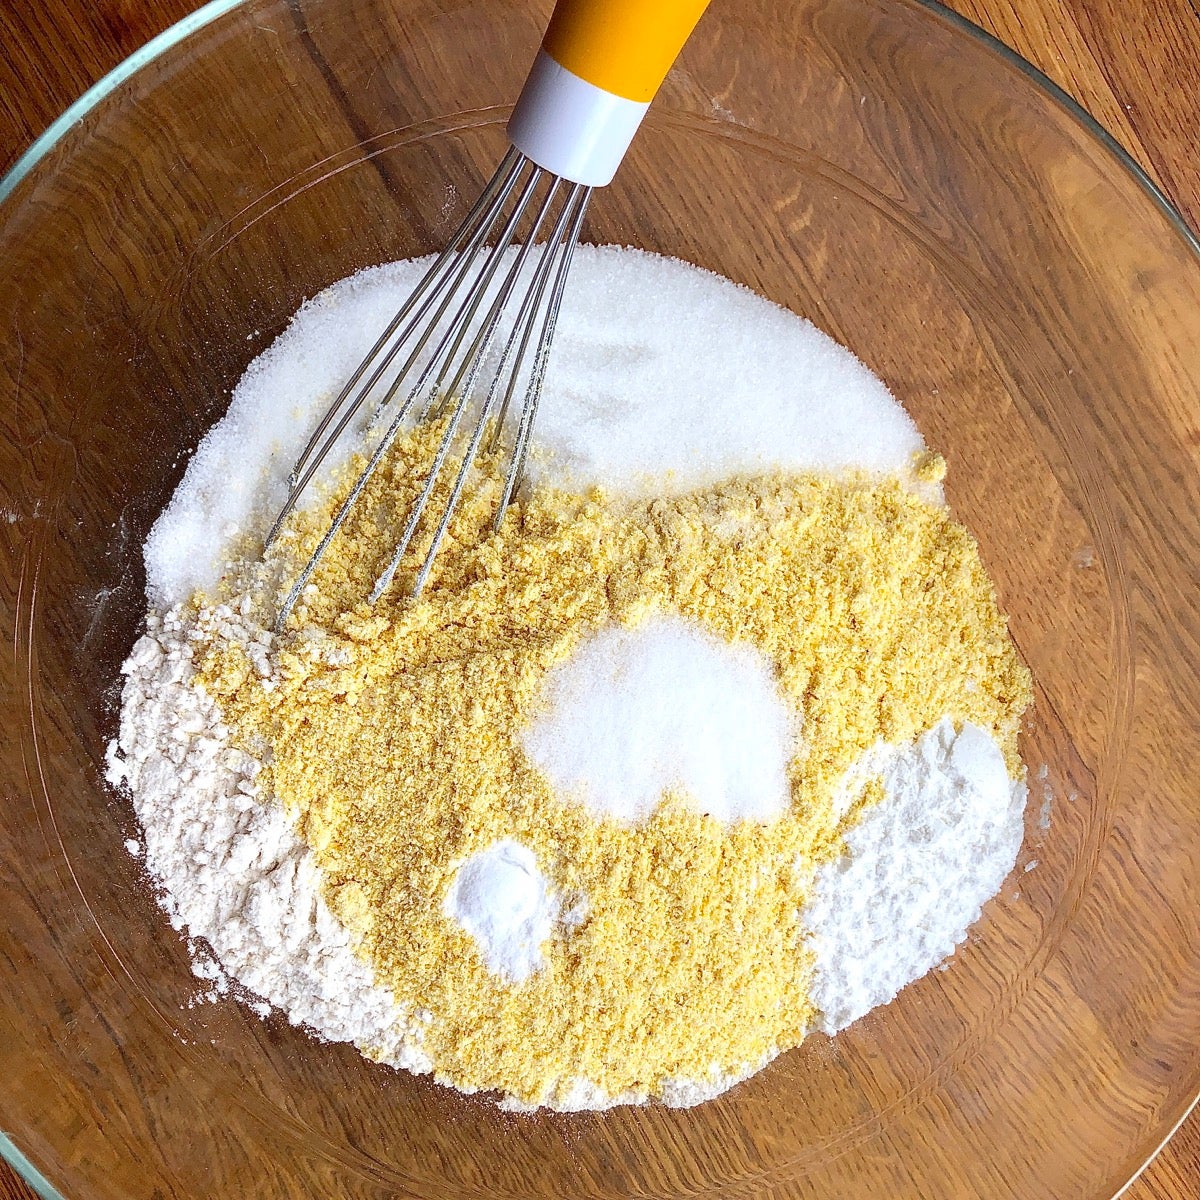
[{"x": 1134, "y": 64}]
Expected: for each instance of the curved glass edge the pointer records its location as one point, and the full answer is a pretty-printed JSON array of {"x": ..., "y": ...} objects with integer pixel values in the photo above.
[
  {"x": 106, "y": 84},
  {"x": 1072, "y": 106},
  {"x": 29, "y": 1174},
  {"x": 1191, "y": 1108}
]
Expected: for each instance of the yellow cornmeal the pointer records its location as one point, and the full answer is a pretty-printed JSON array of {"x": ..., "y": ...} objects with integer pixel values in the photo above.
[{"x": 394, "y": 734}]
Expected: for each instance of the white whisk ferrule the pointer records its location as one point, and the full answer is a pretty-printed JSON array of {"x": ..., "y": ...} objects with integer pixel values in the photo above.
[{"x": 571, "y": 127}]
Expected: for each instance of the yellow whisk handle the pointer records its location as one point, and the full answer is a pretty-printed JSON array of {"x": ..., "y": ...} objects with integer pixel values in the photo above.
[
  {"x": 593, "y": 79},
  {"x": 623, "y": 46}
]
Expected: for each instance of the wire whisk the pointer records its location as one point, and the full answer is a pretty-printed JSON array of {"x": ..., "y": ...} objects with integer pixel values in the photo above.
[
  {"x": 591, "y": 83},
  {"x": 456, "y": 287}
]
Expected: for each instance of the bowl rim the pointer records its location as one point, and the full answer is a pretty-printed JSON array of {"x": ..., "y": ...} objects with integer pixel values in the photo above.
[{"x": 210, "y": 11}]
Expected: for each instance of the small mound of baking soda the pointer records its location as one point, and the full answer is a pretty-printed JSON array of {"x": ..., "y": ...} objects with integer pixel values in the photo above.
[
  {"x": 503, "y": 901},
  {"x": 663, "y": 709}
]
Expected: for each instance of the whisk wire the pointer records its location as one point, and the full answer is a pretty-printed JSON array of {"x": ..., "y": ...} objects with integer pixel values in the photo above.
[
  {"x": 524, "y": 328},
  {"x": 524, "y": 325},
  {"x": 518, "y": 339},
  {"x": 447, "y": 288},
  {"x": 460, "y": 387},
  {"x": 534, "y": 392},
  {"x": 473, "y": 231},
  {"x": 451, "y": 343},
  {"x": 462, "y": 343}
]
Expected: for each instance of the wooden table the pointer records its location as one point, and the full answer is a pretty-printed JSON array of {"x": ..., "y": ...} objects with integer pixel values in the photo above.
[{"x": 1134, "y": 64}]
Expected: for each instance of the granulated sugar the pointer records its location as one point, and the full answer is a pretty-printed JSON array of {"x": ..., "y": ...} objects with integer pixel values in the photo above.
[
  {"x": 664, "y": 377},
  {"x": 665, "y": 708}
]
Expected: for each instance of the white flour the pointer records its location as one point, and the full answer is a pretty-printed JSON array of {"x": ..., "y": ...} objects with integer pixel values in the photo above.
[
  {"x": 917, "y": 869},
  {"x": 729, "y": 383},
  {"x": 232, "y": 871}
]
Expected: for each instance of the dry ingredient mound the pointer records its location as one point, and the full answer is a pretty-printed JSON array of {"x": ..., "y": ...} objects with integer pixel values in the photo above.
[
  {"x": 394, "y": 734},
  {"x": 664, "y": 707},
  {"x": 713, "y": 745}
]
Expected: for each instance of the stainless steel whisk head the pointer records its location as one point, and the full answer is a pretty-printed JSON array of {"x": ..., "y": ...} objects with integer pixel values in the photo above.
[
  {"x": 590, "y": 85},
  {"x": 519, "y": 301}
]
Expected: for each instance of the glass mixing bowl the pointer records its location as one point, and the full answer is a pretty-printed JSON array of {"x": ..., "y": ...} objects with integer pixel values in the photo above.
[{"x": 874, "y": 164}]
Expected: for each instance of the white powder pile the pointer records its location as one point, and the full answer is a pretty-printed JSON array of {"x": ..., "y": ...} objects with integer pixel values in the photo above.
[
  {"x": 917, "y": 869},
  {"x": 663, "y": 377},
  {"x": 232, "y": 871},
  {"x": 665, "y": 707},
  {"x": 503, "y": 901}
]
